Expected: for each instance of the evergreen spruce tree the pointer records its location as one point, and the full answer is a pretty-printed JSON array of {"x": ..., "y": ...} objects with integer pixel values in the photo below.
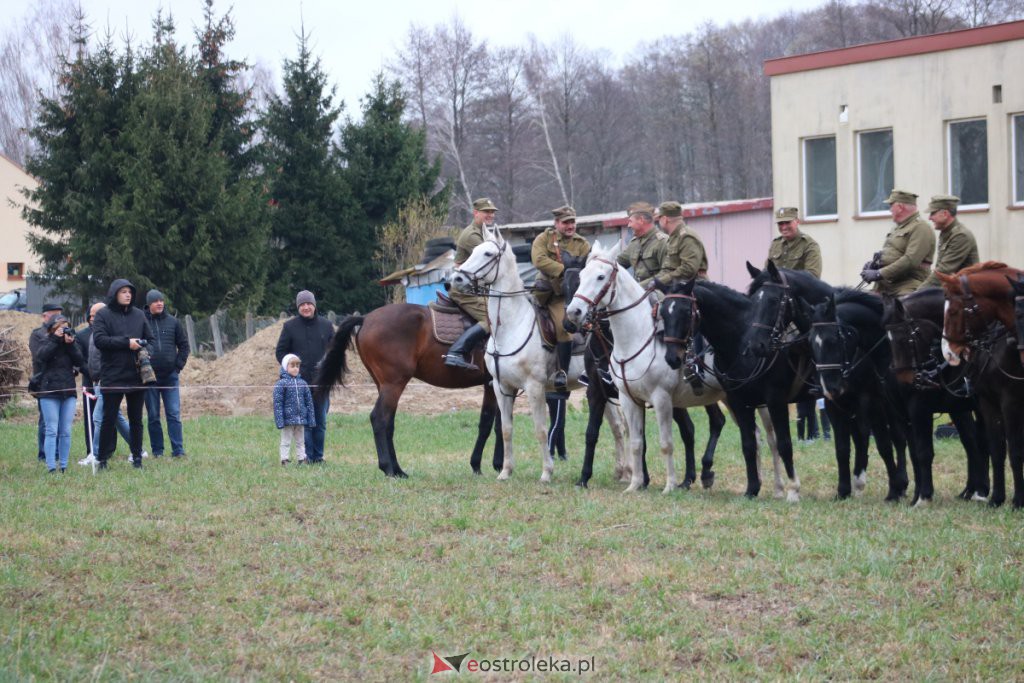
[
  {"x": 312, "y": 246},
  {"x": 78, "y": 133},
  {"x": 185, "y": 223}
]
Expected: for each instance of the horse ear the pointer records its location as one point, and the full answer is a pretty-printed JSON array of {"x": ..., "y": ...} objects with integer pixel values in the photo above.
[
  {"x": 613, "y": 252},
  {"x": 773, "y": 271},
  {"x": 754, "y": 271},
  {"x": 946, "y": 279},
  {"x": 687, "y": 286}
]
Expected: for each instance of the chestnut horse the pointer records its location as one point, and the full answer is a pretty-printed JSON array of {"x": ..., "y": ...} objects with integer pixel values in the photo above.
[
  {"x": 980, "y": 328},
  {"x": 396, "y": 343}
]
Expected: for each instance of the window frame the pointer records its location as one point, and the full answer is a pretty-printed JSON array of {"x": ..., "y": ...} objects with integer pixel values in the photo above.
[
  {"x": 803, "y": 172},
  {"x": 1015, "y": 144},
  {"x": 949, "y": 161},
  {"x": 860, "y": 176},
  {"x": 21, "y": 270}
]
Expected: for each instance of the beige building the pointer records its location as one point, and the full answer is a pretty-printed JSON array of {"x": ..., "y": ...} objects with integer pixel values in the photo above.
[
  {"x": 16, "y": 261},
  {"x": 930, "y": 114}
]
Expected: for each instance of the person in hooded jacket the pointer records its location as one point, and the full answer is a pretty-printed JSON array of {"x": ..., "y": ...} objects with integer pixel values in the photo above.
[
  {"x": 293, "y": 409},
  {"x": 308, "y": 336},
  {"x": 57, "y": 356},
  {"x": 118, "y": 332},
  {"x": 168, "y": 355}
]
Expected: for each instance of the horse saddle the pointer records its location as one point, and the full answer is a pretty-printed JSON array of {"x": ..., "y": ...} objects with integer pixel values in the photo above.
[
  {"x": 546, "y": 325},
  {"x": 448, "y": 320}
]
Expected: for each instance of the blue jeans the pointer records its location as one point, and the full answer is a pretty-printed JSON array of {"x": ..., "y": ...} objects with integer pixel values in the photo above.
[
  {"x": 97, "y": 422},
  {"x": 315, "y": 436},
  {"x": 171, "y": 396},
  {"x": 58, "y": 414}
]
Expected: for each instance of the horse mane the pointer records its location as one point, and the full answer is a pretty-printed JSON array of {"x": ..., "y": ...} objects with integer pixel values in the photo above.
[
  {"x": 800, "y": 277},
  {"x": 733, "y": 298},
  {"x": 848, "y": 295},
  {"x": 978, "y": 267}
]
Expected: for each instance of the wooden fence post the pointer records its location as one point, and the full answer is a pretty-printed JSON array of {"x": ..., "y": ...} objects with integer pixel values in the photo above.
[
  {"x": 333, "y": 317},
  {"x": 250, "y": 328},
  {"x": 218, "y": 345},
  {"x": 190, "y": 330}
]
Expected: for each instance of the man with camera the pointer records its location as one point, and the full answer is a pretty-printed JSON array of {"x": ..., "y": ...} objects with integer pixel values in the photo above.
[
  {"x": 35, "y": 339},
  {"x": 168, "y": 355},
  {"x": 120, "y": 331}
]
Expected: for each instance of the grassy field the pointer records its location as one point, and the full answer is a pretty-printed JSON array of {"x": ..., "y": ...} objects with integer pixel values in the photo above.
[{"x": 228, "y": 565}]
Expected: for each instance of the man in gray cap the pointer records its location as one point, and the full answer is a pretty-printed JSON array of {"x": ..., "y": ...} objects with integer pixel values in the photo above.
[
  {"x": 168, "y": 356},
  {"x": 685, "y": 257},
  {"x": 551, "y": 251},
  {"x": 793, "y": 249},
  {"x": 957, "y": 246},
  {"x": 904, "y": 261},
  {"x": 461, "y": 352},
  {"x": 646, "y": 251},
  {"x": 308, "y": 336}
]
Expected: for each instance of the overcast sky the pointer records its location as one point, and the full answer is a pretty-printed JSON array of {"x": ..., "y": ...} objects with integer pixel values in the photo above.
[{"x": 355, "y": 39}]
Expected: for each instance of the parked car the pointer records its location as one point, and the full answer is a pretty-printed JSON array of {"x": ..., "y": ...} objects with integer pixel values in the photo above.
[{"x": 14, "y": 300}]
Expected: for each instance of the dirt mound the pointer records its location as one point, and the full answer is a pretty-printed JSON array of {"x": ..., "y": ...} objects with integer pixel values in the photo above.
[{"x": 20, "y": 326}]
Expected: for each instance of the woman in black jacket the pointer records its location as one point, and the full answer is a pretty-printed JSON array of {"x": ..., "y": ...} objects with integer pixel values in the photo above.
[
  {"x": 57, "y": 356},
  {"x": 117, "y": 332}
]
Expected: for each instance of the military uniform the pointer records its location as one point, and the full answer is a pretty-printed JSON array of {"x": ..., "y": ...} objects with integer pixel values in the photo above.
[
  {"x": 645, "y": 255},
  {"x": 906, "y": 256},
  {"x": 957, "y": 248},
  {"x": 800, "y": 253},
  {"x": 685, "y": 257},
  {"x": 476, "y": 306},
  {"x": 547, "y": 257}
]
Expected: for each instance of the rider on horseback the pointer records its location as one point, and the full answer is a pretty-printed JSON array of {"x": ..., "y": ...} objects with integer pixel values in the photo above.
[
  {"x": 461, "y": 352},
  {"x": 553, "y": 251}
]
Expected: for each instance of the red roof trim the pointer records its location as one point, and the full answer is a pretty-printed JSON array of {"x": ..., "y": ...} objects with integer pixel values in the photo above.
[
  {"x": 904, "y": 47},
  {"x": 716, "y": 209}
]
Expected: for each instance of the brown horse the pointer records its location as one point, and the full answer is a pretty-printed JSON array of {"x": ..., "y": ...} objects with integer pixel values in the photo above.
[
  {"x": 980, "y": 327},
  {"x": 396, "y": 343}
]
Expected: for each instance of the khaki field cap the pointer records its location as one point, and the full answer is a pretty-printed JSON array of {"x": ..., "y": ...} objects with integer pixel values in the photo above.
[
  {"x": 640, "y": 207},
  {"x": 785, "y": 214},
  {"x": 943, "y": 202},
  {"x": 902, "y": 197},
  {"x": 564, "y": 213},
  {"x": 671, "y": 209},
  {"x": 484, "y": 204}
]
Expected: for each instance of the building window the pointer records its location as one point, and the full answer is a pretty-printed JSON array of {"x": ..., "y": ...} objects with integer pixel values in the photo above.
[
  {"x": 968, "y": 162},
  {"x": 15, "y": 271},
  {"x": 820, "y": 178},
  {"x": 874, "y": 171},
  {"x": 1018, "y": 158}
]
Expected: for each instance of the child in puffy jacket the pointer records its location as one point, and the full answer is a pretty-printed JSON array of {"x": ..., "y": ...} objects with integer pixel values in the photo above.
[{"x": 293, "y": 409}]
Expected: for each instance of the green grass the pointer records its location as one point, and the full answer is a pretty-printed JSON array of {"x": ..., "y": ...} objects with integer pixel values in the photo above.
[{"x": 228, "y": 565}]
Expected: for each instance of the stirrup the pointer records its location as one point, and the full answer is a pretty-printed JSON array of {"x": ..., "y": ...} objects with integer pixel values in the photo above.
[{"x": 457, "y": 361}]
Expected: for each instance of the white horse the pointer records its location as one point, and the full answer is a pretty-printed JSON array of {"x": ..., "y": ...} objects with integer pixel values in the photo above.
[
  {"x": 515, "y": 355},
  {"x": 638, "y": 360}
]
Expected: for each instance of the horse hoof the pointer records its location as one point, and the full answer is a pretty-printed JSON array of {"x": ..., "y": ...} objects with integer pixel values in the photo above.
[
  {"x": 687, "y": 483},
  {"x": 965, "y": 494},
  {"x": 978, "y": 498},
  {"x": 581, "y": 484},
  {"x": 707, "y": 480},
  {"x": 793, "y": 497},
  {"x": 996, "y": 502},
  {"x": 545, "y": 478},
  {"x": 401, "y": 475},
  {"x": 922, "y": 503},
  {"x": 476, "y": 470},
  {"x": 669, "y": 488},
  {"x": 893, "y": 497},
  {"x": 562, "y": 456}
]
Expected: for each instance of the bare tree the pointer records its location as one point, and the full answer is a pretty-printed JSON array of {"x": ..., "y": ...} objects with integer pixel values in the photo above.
[{"x": 30, "y": 54}]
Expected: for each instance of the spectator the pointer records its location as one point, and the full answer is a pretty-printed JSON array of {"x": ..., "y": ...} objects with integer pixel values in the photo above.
[
  {"x": 88, "y": 391},
  {"x": 117, "y": 332},
  {"x": 92, "y": 360},
  {"x": 308, "y": 336},
  {"x": 293, "y": 409},
  {"x": 57, "y": 356},
  {"x": 34, "y": 340},
  {"x": 168, "y": 355}
]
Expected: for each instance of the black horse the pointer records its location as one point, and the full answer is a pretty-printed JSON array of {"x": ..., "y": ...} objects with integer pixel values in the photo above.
[
  {"x": 927, "y": 386},
  {"x": 852, "y": 357},
  {"x": 723, "y": 315}
]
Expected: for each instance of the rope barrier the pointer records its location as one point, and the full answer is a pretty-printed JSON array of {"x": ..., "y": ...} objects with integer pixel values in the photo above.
[{"x": 21, "y": 390}]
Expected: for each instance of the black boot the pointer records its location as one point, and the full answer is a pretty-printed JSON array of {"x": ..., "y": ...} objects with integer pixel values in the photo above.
[
  {"x": 563, "y": 355},
  {"x": 459, "y": 354}
]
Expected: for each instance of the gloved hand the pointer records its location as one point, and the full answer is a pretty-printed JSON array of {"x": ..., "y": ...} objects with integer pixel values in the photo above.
[{"x": 870, "y": 275}]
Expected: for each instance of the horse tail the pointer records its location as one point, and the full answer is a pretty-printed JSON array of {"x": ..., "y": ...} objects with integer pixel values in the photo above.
[{"x": 334, "y": 365}]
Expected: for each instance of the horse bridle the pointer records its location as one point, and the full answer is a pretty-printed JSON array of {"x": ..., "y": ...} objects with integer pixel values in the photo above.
[
  {"x": 491, "y": 265},
  {"x": 968, "y": 313},
  {"x": 926, "y": 371},
  {"x": 778, "y": 329}
]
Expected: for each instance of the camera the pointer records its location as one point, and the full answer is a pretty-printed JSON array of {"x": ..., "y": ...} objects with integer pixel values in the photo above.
[
  {"x": 145, "y": 365},
  {"x": 68, "y": 332}
]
